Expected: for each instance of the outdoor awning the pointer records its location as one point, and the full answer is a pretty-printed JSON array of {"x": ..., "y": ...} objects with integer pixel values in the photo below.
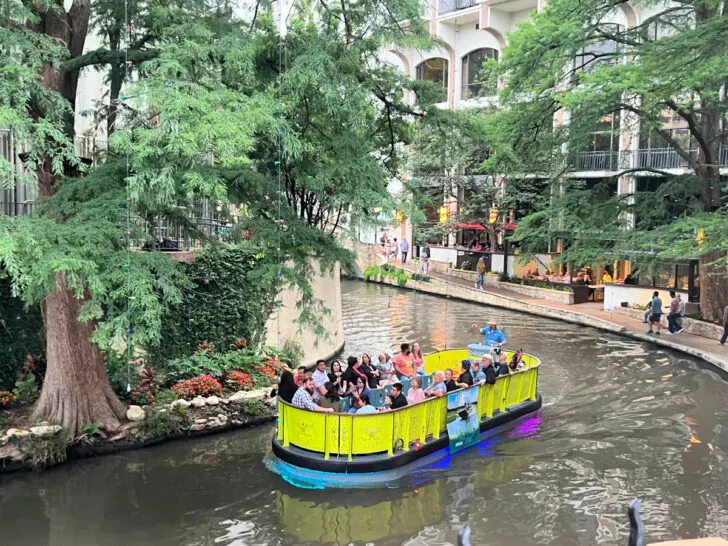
[{"x": 462, "y": 225}]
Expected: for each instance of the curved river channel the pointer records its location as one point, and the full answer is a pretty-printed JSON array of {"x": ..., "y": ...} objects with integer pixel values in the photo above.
[{"x": 620, "y": 419}]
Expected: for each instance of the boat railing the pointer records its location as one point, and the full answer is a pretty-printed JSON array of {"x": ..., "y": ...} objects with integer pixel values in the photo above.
[{"x": 348, "y": 434}]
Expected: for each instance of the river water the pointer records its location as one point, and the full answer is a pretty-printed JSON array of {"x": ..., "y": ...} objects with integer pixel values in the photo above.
[{"x": 620, "y": 419}]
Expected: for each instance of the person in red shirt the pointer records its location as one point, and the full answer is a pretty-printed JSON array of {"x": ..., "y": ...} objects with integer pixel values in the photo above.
[{"x": 403, "y": 362}]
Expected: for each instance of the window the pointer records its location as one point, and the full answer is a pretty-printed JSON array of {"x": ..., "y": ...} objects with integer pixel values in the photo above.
[
  {"x": 473, "y": 81},
  {"x": 433, "y": 70},
  {"x": 606, "y": 136},
  {"x": 602, "y": 53}
]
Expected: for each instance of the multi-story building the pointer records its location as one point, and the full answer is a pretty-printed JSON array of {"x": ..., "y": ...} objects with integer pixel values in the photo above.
[{"x": 473, "y": 30}]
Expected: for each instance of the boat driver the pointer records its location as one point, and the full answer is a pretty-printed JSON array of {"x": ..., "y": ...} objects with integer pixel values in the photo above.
[{"x": 493, "y": 336}]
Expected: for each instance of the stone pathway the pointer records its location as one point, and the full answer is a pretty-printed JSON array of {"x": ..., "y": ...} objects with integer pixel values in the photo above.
[{"x": 590, "y": 314}]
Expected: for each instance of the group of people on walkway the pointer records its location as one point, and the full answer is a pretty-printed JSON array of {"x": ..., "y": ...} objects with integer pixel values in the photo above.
[{"x": 653, "y": 314}]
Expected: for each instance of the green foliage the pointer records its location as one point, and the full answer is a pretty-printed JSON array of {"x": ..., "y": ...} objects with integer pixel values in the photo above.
[
  {"x": 209, "y": 362},
  {"x": 421, "y": 277},
  {"x": 371, "y": 272},
  {"x": 21, "y": 334},
  {"x": 120, "y": 373},
  {"x": 401, "y": 279},
  {"x": 47, "y": 451},
  {"x": 386, "y": 271},
  {"x": 26, "y": 389},
  {"x": 292, "y": 353},
  {"x": 164, "y": 422},
  {"x": 165, "y": 396},
  {"x": 231, "y": 296}
]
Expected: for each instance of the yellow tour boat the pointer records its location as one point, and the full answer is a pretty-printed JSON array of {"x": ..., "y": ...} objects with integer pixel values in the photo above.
[{"x": 308, "y": 443}]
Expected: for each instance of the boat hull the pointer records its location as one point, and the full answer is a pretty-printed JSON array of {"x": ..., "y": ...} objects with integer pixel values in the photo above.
[{"x": 378, "y": 462}]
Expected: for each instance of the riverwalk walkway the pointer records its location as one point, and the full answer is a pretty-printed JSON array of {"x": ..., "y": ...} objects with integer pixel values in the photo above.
[{"x": 590, "y": 314}]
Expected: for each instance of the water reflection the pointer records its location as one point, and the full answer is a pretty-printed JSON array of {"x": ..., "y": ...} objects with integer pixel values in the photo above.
[{"x": 620, "y": 419}]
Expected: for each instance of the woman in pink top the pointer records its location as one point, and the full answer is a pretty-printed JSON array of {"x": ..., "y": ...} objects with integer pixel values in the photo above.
[
  {"x": 415, "y": 394},
  {"x": 418, "y": 361}
]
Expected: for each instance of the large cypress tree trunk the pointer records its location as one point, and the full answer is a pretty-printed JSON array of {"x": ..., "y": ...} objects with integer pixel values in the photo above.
[{"x": 76, "y": 390}]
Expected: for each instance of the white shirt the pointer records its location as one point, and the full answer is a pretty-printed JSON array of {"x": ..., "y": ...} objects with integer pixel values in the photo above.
[{"x": 319, "y": 380}]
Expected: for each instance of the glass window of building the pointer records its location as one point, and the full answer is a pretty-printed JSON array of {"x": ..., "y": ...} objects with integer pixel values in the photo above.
[
  {"x": 473, "y": 82},
  {"x": 434, "y": 70}
]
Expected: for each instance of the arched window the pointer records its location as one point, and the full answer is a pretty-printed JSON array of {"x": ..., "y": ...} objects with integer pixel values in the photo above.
[
  {"x": 473, "y": 82},
  {"x": 433, "y": 70}
]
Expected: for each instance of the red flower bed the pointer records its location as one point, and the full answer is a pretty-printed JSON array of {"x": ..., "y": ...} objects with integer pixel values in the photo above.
[
  {"x": 270, "y": 368},
  {"x": 6, "y": 398},
  {"x": 240, "y": 379},
  {"x": 202, "y": 385}
]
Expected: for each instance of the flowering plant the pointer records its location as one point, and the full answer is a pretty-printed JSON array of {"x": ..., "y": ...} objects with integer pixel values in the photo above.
[
  {"x": 202, "y": 385},
  {"x": 6, "y": 399},
  {"x": 147, "y": 387},
  {"x": 240, "y": 379},
  {"x": 270, "y": 368}
]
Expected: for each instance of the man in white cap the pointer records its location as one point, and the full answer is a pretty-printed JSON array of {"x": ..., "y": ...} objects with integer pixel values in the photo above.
[{"x": 493, "y": 336}]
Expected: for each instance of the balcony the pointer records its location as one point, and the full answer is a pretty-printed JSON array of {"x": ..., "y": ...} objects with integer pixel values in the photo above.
[
  {"x": 450, "y": 6},
  {"x": 597, "y": 161},
  {"x": 662, "y": 158}
]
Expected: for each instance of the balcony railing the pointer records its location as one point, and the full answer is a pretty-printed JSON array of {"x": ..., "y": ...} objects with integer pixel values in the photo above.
[
  {"x": 448, "y": 6},
  {"x": 662, "y": 158},
  {"x": 597, "y": 161}
]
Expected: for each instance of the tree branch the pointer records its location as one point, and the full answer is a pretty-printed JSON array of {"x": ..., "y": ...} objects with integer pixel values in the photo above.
[{"x": 104, "y": 56}]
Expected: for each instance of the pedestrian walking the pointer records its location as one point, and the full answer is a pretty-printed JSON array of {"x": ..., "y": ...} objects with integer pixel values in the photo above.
[
  {"x": 673, "y": 326},
  {"x": 425, "y": 258},
  {"x": 404, "y": 248},
  {"x": 480, "y": 268},
  {"x": 725, "y": 326},
  {"x": 656, "y": 306}
]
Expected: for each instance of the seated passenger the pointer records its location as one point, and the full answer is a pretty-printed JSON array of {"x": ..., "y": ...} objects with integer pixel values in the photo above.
[
  {"x": 385, "y": 369},
  {"x": 398, "y": 399},
  {"x": 465, "y": 379},
  {"x": 516, "y": 362},
  {"x": 489, "y": 370},
  {"x": 335, "y": 376},
  {"x": 304, "y": 398},
  {"x": 502, "y": 369},
  {"x": 354, "y": 370},
  {"x": 300, "y": 377},
  {"x": 359, "y": 389},
  {"x": 331, "y": 398},
  {"x": 418, "y": 361},
  {"x": 477, "y": 372},
  {"x": 403, "y": 362},
  {"x": 286, "y": 386},
  {"x": 415, "y": 394},
  {"x": 449, "y": 381},
  {"x": 364, "y": 406},
  {"x": 320, "y": 378},
  {"x": 370, "y": 370},
  {"x": 438, "y": 387}
]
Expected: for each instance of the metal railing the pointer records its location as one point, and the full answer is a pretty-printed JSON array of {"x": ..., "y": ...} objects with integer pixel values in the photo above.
[
  {"x": 597, "y": 161},
  {"x": 448, "y": 6},
  {"x": 662, "y": 158}
]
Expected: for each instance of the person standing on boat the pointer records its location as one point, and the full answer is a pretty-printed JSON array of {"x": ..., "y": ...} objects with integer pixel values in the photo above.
[
  {"x": 303, "y": 398},
  {"x": 403, "y": 362},
  {"x": 493, "y": 336}
]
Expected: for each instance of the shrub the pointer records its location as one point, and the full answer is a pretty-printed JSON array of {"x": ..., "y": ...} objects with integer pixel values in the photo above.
[
  {"x": 240, "y": 379},
  {"x": 537, "y": 283},
  {"x": 26, "y": 390},
  {"x": 146, "y": 388},
  {"x": 203, "y": 385},
  {"x": 371, "y": 272},
  {"x": 48, "y": 451},
  {"x": 401, "y": 278},
  {"x": 233, "y": 296},
  {"x": 21, "y": 334},
  {"x": 421, "y": 277},
  {"x": 210, "y": 363},
  {"x": 7, "y": 399},
  {"x": 160, "y": 422}
]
